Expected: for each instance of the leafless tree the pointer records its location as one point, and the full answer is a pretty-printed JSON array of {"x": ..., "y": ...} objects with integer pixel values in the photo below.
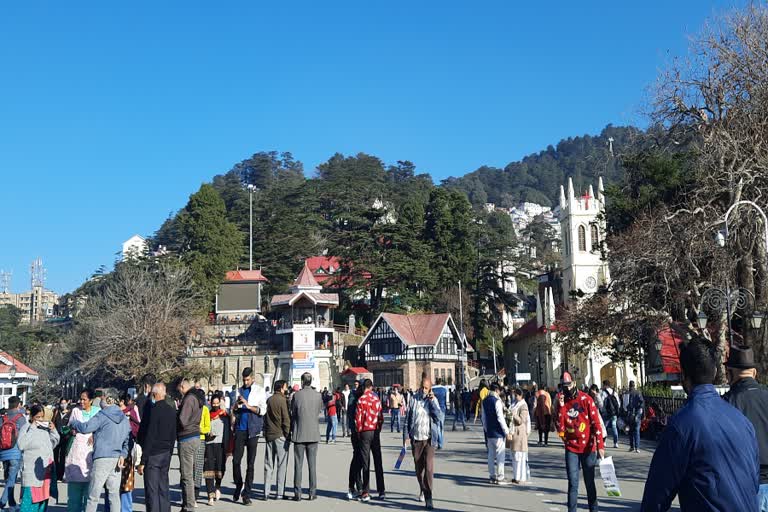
[{"x": 139, "y": 319}]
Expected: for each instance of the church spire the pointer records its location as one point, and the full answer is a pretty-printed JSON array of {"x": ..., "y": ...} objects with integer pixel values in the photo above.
[
  {"x": 571, "y": 195},
  {"x": 562, "y": 197}
]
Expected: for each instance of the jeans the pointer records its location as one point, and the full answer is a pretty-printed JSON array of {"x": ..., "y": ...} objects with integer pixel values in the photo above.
[
  {"x": 11, "y": 474},
  {"x": 330, "y": 428},
  {"x": 377, "y": 462},
  {"x": 104, "y": 471},
  {"x": 77, "y": 496},
  {"x": 634, "y": 432},
  {"x": 394, "y": 420},
  {"x": 458, "y": 416},
  {"x": 587, "y": 461},
  {"x": 187, "y": 453},
  {"x": 248, "y": 445},
  {"x": 355, "y": 479},
  {"x": 156, "y": 493},
  {"x": 610, "y": 425},
  {"x": 496, "y": 454},
  {"x": 762, "y": 496},
  {"x": 126, "y": 502},
  {"x": 275, "y": 461},
  {"x": 343, "y": 421},
  {"x": 300, "y": 450}
]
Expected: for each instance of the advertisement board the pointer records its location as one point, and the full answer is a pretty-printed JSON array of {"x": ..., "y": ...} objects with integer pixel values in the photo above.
[{"x": 303, "y": 338}]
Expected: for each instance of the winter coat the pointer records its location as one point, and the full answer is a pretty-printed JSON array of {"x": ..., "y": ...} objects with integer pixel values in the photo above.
[
  {"x": 111, "y": 430},
  {"x": 518, "y": 420},
  {"x": 36, "y": 445},
  {"x": 707, "y": 456},
  {"x": 543, "y": 408}
]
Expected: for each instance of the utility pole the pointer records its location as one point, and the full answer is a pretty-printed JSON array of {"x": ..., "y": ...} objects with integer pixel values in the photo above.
[
  {"x": 251, "y": 189},
  {"x": 462, "y": 359}
]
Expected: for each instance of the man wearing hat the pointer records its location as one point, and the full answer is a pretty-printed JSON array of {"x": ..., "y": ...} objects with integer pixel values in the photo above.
[
  {"x": 751, "y": 399},
  {"x": 579, "y": 428}
]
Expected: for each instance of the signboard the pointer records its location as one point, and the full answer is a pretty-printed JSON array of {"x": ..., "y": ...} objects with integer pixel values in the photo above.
[
  {"x": 523, "y": 376},
  {"x": 303, "y": 337},
  {"x": 386, "y": 358}
]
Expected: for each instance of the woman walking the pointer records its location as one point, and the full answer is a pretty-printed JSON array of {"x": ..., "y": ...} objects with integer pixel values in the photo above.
[
  {"x": 37, "y": 440},
  {"x": 519, "y": 423},
  {"x": 79, "y": 459},
  {"x": 215, "y": 458},
  {"x": 205, "y": 429},
  {"x": 543, "y": 415}
]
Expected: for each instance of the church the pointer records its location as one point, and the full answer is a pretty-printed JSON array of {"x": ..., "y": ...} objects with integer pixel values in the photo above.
[{"x": 533, "y": 348}]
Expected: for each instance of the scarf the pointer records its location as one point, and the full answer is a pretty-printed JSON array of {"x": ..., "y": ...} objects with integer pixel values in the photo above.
[{"x": 216, "y": 414}]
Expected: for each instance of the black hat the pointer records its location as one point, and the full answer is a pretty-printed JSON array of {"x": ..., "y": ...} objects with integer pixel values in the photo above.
[{"x": 741, "y": 358}]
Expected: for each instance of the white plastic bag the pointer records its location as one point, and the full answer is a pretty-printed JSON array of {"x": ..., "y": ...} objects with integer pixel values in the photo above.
[{"x": 608, "y": 474}]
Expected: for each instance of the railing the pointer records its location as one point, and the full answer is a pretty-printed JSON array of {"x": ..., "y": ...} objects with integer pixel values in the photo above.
[
  {"x": 667, "y": 405},
  {"x": 344, "y": 329}
]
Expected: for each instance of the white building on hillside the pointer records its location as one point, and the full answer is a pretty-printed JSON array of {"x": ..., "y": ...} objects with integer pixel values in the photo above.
[{"x": 134, "y": 247}]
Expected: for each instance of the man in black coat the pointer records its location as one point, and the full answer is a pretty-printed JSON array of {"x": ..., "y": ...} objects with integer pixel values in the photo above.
[
  {"x": 751, "y": 399},
  {"x": 157, "y": 436}
]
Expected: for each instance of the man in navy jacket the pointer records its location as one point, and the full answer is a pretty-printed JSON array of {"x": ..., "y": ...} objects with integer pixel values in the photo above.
[{"x": 708, "y": 453}]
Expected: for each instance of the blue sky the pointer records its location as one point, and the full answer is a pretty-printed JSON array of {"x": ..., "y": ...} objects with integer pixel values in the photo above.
[{"x": 111, "y": 115}]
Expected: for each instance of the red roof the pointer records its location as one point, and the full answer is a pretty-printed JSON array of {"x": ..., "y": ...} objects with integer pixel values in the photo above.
[
  {"x": 245, "y": 275},
  {"x": 20, "y": 367},
  {"x": 305, "y": 278},
  {"x": 317, "y": 298},
  {"x": 424, "y": 329},
  {"x": 323, "y": 267},
  {"x": 356, "y": 370}
]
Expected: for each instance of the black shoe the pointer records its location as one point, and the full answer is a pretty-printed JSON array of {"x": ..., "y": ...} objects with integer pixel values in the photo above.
[
  {"x": 246, "y": 500},
  {"x": 313, "y": 497},
  {"x": 236, "y": 496},
  {"x": 265, "y": 498},
  {"x": 297, "y": 498},
  {"x": 285, "y": 497}
]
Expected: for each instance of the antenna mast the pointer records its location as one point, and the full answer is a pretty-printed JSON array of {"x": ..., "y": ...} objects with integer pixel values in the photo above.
[
  {"x": 37, "y": 273},
  {"x": 5, "y": 282}
]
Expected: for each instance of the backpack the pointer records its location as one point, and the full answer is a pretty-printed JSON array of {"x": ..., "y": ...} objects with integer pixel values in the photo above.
[
  {"x": 9, "y": 432},
  {"x": 611, "y": 405}
]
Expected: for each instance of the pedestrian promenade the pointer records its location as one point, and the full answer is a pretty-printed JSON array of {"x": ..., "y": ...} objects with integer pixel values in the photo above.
[{"x": 461, "y": 481}]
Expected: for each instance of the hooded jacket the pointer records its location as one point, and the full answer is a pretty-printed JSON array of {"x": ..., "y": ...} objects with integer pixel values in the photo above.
[
  {"x": 190, "y": 412},
  {"x": 111, "y": 429}
]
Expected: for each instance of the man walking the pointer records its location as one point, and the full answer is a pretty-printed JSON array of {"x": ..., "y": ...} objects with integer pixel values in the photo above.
[
  {"x": 458, "y": 409},
  {"x": 13, "y": 420},
  {"x": 708, "y": 454},
  {"x": 752, "y": 400},
  {"x": 422, "y": 428},
  {"x": 157, "y": 436},
  {"x": 355, "y": 477},
  {"x": 342, "y": 408},
  {"x": 611, "y": 411},
  {"x": 395, "y": 402},
  {"x": 368, "y": 418},
  {"x": 635, "y": 411},
  {"x": 305, "y": 432},
  {"x": 248, "y": 422},
  {"x": 277, "y": 433},
  {"x": 579, "y": 428},
  {"x": 496, "y": 433},
  {"x": 188, "y": 434},
  {"x": 110, "y": 429}
]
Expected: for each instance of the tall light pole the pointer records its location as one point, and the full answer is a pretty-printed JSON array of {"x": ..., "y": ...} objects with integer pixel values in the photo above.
[{"x": 251, "y": 190}]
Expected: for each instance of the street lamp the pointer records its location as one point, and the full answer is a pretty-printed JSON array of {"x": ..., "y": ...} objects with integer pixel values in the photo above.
[
  {"x": 716, "y": 299},
  {"x": 251, "y": 190},
  {"x": 266, "y": 363},
  {"x": 756, "y": 320},
  {"x": 517, "y": 362},
  {"x": 12, "y": 371}
]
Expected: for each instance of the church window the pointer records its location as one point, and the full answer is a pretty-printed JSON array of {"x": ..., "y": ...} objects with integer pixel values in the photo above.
[
  {"x": 582, "y": 238},
  {"x": 594, "y": 237}
]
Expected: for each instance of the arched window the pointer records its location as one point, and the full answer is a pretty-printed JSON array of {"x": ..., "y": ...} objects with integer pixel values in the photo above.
[
  {"x": 582, "y": 238},
  {"x": 594, "y": 235}
]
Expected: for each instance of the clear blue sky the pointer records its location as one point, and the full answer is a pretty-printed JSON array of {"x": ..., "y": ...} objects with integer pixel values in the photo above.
[{"x": 111, "y": 114}]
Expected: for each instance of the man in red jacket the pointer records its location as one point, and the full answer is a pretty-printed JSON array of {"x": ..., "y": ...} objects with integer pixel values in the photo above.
[
  {"x": 368, "y": 419},
  {"x": 579, "y": 428}
]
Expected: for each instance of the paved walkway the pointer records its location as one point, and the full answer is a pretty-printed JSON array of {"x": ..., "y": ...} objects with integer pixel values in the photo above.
[{"x": 461, "y": 481}]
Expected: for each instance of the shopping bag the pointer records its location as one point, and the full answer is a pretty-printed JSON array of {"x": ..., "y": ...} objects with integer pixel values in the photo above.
[
  {"x": 608, "y": 474},
  {"x": 400, "y": 458}
]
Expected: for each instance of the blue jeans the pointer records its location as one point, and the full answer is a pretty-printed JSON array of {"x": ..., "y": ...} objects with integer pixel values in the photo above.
[
  {"x": 587, "y": 462},
  {"x": 10, "y": 482},
  {"x": 611, "y": 425},
  {"x": 762, "y": 496},
  {"x": 126, "y": 502},
  {"x": 330, "y": 429},
  {"x": 458, "y": 416},
  {"x": 634, "y": 432},
  {"x": 394, "y": 419}
]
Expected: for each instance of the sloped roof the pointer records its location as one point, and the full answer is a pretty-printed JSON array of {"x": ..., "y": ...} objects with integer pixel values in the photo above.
[
  {"x": 305, "y": 278},
  {"x": 6, "y": 358},
  {"x": 356, "y": 370},
  {"x": 245, "y": 275},
  {"x": 316, "y": 298},
  {"x": 417, "y": 330}
]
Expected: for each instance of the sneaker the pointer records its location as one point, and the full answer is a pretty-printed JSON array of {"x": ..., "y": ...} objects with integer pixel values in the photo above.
[
  {"x": 493, "y": 481},
  {"x": 365, "y": 497},
  {"x": 615, "y": 445},
  {"x": 382, "y": 496},
  {"x": 352, "y": 495},
  {"x": 637, "y": 451},
  {"x": 211, "y": 502},
  {"x": 421, "y": 497},
  {"x": 502, "y": 481},
  {"x": 218, "y": 494}
]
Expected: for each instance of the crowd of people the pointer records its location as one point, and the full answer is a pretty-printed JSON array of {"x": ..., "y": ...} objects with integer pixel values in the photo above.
[{"x": 713, "y": 454}]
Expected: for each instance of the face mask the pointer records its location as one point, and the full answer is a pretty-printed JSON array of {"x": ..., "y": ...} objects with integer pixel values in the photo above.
[
  {"x": 63, "y": 406},
  {"x": 215, "y": 408},
  {"x": 570, "y": 392}
]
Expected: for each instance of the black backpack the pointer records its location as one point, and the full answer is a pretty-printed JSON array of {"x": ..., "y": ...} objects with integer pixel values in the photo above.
[{"x": 611, "y": 405}]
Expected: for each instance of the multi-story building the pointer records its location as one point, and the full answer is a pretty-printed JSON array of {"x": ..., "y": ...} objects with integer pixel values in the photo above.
[{"x": 36, "y": 305}]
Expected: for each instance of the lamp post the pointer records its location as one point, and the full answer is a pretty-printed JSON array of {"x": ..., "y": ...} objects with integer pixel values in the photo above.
[
  {"x": 716, "y": 299},
  {"x": 251, "y": 190},
  {"x": 517, "y": 362}
]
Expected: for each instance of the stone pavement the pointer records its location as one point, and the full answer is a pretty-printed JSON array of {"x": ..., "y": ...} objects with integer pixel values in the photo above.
[{"x": 461, "y": 481}]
